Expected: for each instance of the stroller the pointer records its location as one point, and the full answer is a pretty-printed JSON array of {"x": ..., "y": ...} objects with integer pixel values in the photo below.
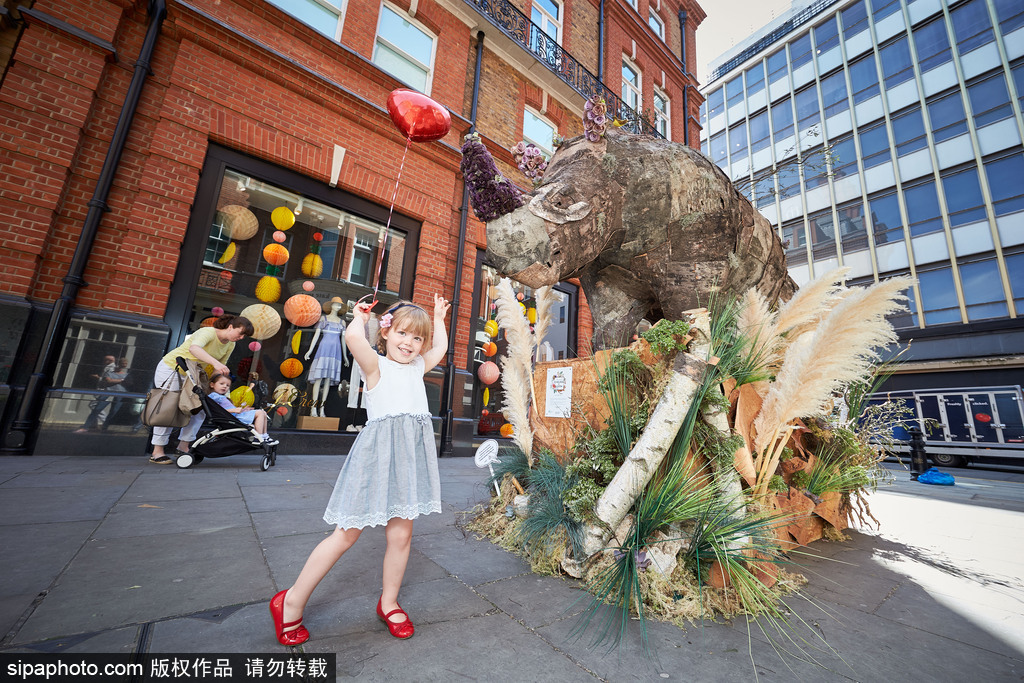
[{"x": 222, "y": 434}]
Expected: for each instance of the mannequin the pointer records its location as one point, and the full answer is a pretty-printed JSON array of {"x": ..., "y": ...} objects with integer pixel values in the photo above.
[{"x": 331, "y": 354}]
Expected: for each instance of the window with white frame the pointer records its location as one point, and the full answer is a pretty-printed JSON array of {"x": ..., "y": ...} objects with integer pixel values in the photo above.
[
  {"x": 662, "y": 114},
  {"x": 404, "y": 49},
  {"x": 547, "y": 15},
  {"x": 656, "y": 24},
  {"x": 631, "y": 86},
  {"x": 326, "y": 16},
  {"x": 539, "y": 131},
  {"x": 633, "y": 4}
]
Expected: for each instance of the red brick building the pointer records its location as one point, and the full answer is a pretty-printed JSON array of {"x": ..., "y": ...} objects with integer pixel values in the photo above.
[{"x": 145, "y": 147}]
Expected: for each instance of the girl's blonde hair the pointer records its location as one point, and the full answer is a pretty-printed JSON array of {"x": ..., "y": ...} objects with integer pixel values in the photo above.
[{"x": 409, "y": 316}]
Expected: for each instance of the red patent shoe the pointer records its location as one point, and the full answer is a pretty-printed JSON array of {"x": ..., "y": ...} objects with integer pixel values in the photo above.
[
  {"x": 403, "y": 629},
  {"x": 294, "y": 637}
]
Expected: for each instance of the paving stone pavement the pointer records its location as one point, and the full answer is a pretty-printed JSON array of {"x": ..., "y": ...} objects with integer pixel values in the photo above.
[{"x": 112, "y": 554}]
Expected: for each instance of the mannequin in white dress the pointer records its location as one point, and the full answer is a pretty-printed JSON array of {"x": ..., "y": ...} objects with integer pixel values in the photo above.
[{"x": 325, "y": 370}]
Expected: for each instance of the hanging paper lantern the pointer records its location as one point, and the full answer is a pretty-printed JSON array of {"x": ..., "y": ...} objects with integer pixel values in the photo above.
[
  {"x": 519, "y": 296},
  {"x": 307, "y": 285},
  {"x": 296, "y": 338},
  {"x": 312, "y": 265},
  {"x": 531, "y": 315},
  {"x": 268, "y": 289},
  {"x": 484, "y": 412},
  {"x": 522, "y": 307},
  {"x": 302, "y": 310},
  {"x": 279, "y": 236},
  {"x": 507, "y": 430},
  {"x": 291, "y": 367},
  {"x": 216, "y": 311},
  {"x": 240, "y": 222},
  {"x": 282, "y": 218},
  {"x": 488, "y": 372},
  {"x": 242, "y": 397},
  {"x": 489, "y": 349},
  {"x": 282, "y": 410},
  {"x": 491, "y": 328},
  {"x": 285, "y": 393},
  {"x": 265, "y": 320},
  {"x": 487, "y": 396},
  {"x": 229, "y": 253},
  {"x": 208, "y": 322},
  {"x": 255, "y": 346},
  {"x": 275, "y": 254},
  {"x": 318, "y": 236}
]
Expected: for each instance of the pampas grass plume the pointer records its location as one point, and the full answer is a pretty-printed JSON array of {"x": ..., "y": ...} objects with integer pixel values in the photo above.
[{"x": 516, "y": 366}]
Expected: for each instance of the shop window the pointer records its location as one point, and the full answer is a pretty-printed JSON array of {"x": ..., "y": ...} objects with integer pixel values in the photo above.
[
  {"x": 662, "y": 114},
  {"x": 268, "y": 242},
  {"x": 864, "y": 78},
  {"x": 326, "y": 16},
  {"x": 886, "y": 221},
  {"x": 488, "y": 341},
  {"x": 990, "y": 101},
  {"x": 738, "y": 142},
  {"x": 782, "y": 119},
  {"x": 855, "y": 20},
  {"x": 908, "y": 131},
  {"x": 776, "y": 65},
  {"x": 656, "y": 24},
  {"x": 631, "y": 93},
  {"x": 800, "y": 51},
  {"x": 983, "y": 290},
  {"x": 538, "y": 131},
  {"x": 972, "y": 25},
  {"x": 880, "y": 9},
  {"x": 932, "y": 43},
  {"x": 874, "y": 145},
  {"x": 1004, "y": 183},
  {"x": 404, "y": 49},
  {"x": 963, "y": 197},
  {"x": 755, "y": 79},
  {"x": 897, "y": 66},
  {"x": 759, "y": 138},
  {"x": 923, "y": 214},
  {"x": 826, "y": 36},
  {"x": 947, "y": 116},
  {"x": 833, "y": 94},
  {"x": 938, "y": 296},
  {"x": 1010, "y": 15}
]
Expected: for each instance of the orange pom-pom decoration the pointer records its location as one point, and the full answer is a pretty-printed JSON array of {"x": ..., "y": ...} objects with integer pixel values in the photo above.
[
  {"x": 317, "y": 236},
  {"x": 302, "y": 310},
  {"x": 308, "y": 286},
  {"x": 507, "y": 430},
  {"x": 275, "y": 254},
  {"x": 282, "y": 410},
  {"x": 279, "y": 236},
  {"x": 488, "y": 372},
  {"x": 485, "y": 412},
  {"x": 489, "y": 349},
  {"x": 208, "y": 322},
  {"x": 291, "y": 367}
]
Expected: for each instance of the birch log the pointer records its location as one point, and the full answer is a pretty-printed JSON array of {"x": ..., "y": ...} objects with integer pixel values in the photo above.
[{"x": 650, "y": 449}]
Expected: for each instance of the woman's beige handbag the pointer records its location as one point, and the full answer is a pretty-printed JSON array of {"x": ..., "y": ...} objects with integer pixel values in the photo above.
[{"x": 162, "y": 407}]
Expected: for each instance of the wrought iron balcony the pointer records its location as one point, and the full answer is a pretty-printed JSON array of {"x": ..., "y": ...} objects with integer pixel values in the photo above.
[{"x": 507, "y": 18}]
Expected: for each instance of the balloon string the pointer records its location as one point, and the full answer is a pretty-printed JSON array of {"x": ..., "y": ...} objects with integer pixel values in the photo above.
[{"x": 383, "y": 239}]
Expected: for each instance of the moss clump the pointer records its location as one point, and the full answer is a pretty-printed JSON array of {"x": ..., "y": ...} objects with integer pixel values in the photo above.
[
  {"x": 787, "y": 453},
  {"x": 668, "y": 336},
  {"x": 777, "y": 484},
  {"x": 627, "y": 368},
  {"x": 800, "y": 479}
]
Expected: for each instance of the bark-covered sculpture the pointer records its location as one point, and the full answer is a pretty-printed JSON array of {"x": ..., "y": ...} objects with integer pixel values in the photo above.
[{"x": 647, "y": 225}]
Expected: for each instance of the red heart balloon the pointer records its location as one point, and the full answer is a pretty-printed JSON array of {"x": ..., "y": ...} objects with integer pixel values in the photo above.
[{"x": 420, "y": 118}]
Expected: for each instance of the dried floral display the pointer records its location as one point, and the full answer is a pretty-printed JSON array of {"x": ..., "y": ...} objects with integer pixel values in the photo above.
[
  {"x": 530, "y": 160},
  {"x": 491, "y": 193}
]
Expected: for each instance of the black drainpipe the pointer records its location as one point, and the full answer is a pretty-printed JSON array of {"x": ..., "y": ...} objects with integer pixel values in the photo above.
[
  {"x": 448, "y": 394},
  {"x": 21, "y": 437},
  {"x": 686, "y": 73},
  {"x": 600, "y": 43}
]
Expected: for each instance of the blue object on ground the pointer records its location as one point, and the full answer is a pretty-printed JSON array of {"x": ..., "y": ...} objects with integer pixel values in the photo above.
[{"x": 934, "y": 476}]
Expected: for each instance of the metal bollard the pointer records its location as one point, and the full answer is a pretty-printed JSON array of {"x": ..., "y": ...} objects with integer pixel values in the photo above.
[{"x": 918, "y": 458}]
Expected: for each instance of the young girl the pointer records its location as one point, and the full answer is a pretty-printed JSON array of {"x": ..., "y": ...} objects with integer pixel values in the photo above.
[
  {"x": 390, "y": 475},
  {"x": 220, "y": 385}
]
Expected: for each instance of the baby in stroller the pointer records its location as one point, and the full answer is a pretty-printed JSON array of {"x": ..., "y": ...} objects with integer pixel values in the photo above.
[{"x": 229, "y": 429}]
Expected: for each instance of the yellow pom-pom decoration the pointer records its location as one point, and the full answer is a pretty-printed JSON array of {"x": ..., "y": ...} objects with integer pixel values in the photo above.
[
  {"x": 268, "y": 289},
  {"x": 296, "y": 338},
  {"x": 282, "y": 217},
  {"x": 291, "y": 367},
  {"x": 275, "y": 254},
  {"x": 312, "y": 265},
  {"x": 531, "y": 315},
  {"x": 228, "y": 254},
  {"x": 491, "y": 328},
  {"x": 487, "y": 396},
  {"x": 242, "y": 397},
  {"x": 302, "y": 310}
]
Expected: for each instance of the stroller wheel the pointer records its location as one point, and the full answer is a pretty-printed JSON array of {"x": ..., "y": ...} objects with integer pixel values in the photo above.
[
  {"x": 185, "y": 461},
  {"x": 265, "y": 463}
]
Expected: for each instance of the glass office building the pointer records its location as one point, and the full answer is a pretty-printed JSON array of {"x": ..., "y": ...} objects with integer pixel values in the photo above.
[{"x": 885, "y": 135}]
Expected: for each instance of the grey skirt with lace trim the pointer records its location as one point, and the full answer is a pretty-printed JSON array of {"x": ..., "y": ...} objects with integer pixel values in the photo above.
[{"x": 391, "y": 471}]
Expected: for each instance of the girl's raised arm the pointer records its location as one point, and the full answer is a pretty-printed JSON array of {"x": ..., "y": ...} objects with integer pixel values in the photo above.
[
  {"x": 439, "y": 341},
  {"x": 359, "y": 345}
]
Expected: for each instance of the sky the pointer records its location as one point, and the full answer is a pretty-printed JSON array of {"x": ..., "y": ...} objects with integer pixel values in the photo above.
[{"x": 728, "y": 23}]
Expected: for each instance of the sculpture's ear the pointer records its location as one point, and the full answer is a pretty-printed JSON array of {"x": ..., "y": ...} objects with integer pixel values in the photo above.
[{"x": 555, "y": 203}]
